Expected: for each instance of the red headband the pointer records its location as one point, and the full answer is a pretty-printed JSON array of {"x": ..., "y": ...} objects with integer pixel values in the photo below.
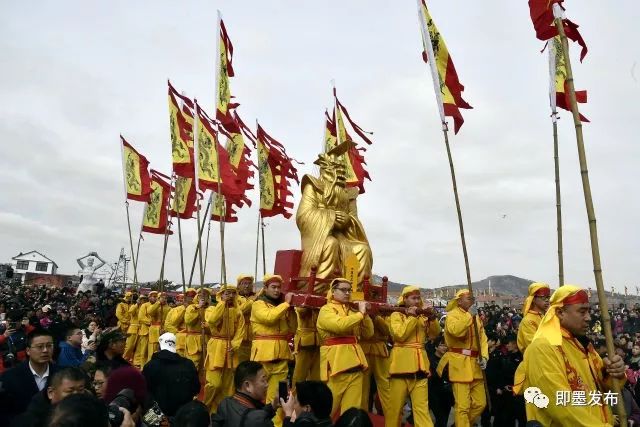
[
  {"x": 542, "y": 292},
  {"x": 579, "y": 297}
]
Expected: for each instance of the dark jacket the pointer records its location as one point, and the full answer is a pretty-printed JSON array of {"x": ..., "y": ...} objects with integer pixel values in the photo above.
[
  {"x": 37, "y": 412},
  {"x": 172, "y": 380},
  {"x": 17, "y": 388},
  {"x": 240, "y": 410},
  {"x": 71, "y": 356},
  {"x": 307, "y": 419}
]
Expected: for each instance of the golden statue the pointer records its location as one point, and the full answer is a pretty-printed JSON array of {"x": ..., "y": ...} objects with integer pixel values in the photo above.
[{"x": 328, "y": 221}]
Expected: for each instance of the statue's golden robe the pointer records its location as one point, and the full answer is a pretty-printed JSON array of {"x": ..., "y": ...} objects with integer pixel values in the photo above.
[{"x": 325, "y": 244}]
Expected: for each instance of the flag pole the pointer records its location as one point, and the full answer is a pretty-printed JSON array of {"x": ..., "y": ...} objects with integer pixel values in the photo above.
[
  {"x": 126, "y": 204},
  {"x": 196, "y": 119},
  {"x": 255, "y": 274},
  {"x": 553, "y": 54},
  {"x": 586, "y": 187},
  {"x": 427, "y": 43},
  {"x": 200, "y": 231},
  {"x": 260, "y": 218},
  {"x": 220, "y": 198},
  {"x": 206, "y": 245},
  {"x": 264, "y": 253},
  {"x": 178, "y": 188},
  {"x": 167, "y": 228}
]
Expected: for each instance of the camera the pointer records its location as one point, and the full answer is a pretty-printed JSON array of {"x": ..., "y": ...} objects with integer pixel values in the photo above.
[{"x": 125, "y": 399}]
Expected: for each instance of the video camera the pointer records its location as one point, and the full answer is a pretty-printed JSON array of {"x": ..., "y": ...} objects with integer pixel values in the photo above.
[{"x": 152, "y": 414}]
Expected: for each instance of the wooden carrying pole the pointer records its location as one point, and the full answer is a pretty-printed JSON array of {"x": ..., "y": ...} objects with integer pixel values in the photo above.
[{"x": 593, "y": 230}]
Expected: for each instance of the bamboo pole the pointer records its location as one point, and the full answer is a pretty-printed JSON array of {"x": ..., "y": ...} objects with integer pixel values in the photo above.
[
  {"x": 184, "y": 288},
  {"x": 137, "y": 257},
  {"x": 255, "y": 274},
  {"x": 264, "y": 253},
  {"x": 166, "y": 234},
  {"x": 199, "y": 247},
  {"x": 133, "y": 256},
  {"x": 206, "y": 245},
  {"x": 200, "y": 230},
  {"x": 556, "y": 160},
  {"x": 593, "y": 230}
]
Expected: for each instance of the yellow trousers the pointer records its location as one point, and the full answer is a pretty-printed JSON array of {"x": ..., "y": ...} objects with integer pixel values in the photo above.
[
  {"x": 181, "y": 344},
  {"x": 152, "y": 347},
  {"x": 195, "y": 358},
  {"x": 218, "y": 386},
  {"x": 379, "y": 369},
  {"x": 276, "y": 372},
  {"x": 130, "y": 347},
  {"x": 244, "y": 352},
  {"x": 307, "y": 365},
  {"x": 417, "y": 390},
  {"x": 470, "y": 401},
  {"x": 346, "y": 389},
  {"x": 142, "y": 347}
]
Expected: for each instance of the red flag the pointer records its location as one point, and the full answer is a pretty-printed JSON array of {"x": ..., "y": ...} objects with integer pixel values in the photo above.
[
  {"x": 155, "y": 212},
  {"x": 541, "y": 12},
  {"x": 276, "y": 171},
  {"x": 136, "y": 174},
  {"x": 225, "y": 72}
]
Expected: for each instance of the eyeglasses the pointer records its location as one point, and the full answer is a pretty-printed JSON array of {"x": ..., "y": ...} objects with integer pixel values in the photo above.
[
  {"x": 344, "y": 290},
  {"x": 40, "y": 347}
]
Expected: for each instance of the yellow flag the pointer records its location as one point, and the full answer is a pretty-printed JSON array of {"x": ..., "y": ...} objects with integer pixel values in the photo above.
[{"x": 267, "y": 190}]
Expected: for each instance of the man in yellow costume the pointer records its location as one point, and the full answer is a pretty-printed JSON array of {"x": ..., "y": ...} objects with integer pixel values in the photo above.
[
  {"x": 144, "y": 321},
  {"x": 328, "y": 221},
  {"x": 409, "y": 366},
  {"x": 246, "y": 297},
  {"x": 535, "y": 306},
  {"x": 342, "y": 361},
  {"x": 561, "y": 361},
  {"x": 227, "y": 326},
  {"x": 464, "y": 360},
  {"x": 193, "y": 321},
  {"x": 176, "y": 320},
  {"x": 132, "y": 331},
  {"x": 157, "y": 312},
  {"x": 377, "y": 353},
  {"x": 122, "y": 312},
  {"x": 306, "y": 344},
  {"x": 273, "y": 325},
  {"x": 168, "y": 325}
]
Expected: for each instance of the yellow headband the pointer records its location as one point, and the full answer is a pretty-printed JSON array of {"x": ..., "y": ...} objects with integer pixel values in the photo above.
[
  {"x": 550, "y": 326},
  {"x": 454, "y": 302},
  {"x": 533, "y": 288},
  {"x": 408, "y": 290},
  {"x": 333, "y": 283}
]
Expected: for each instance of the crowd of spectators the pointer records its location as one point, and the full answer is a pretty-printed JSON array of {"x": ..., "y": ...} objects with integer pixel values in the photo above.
[{"x": 62, "y": 360}]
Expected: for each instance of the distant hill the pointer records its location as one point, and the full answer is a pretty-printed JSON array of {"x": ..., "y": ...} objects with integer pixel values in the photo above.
[{"x": 503, "y": 285}]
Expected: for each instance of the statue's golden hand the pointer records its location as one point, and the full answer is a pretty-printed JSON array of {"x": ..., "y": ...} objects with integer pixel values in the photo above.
[{"x": 341, "y": 219}]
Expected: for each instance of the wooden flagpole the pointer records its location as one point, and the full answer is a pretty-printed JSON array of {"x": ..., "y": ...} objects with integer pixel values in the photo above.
[
  {"x": 206, "y": 245},
  {"x": 426, "y": 40},
  {"x": 553, "y": 54},
  {"x": 184, "y": 287},
  {"x": 126, "y": 204},
  {"x": 200, "y": 231},
  {"x": 166, "y": 233},
  {"x": 586, "y": 187},
  {"x": 255, "y": 274},
  {"x": 260, "y": 218},
  {"x": 264, "y": 252}
]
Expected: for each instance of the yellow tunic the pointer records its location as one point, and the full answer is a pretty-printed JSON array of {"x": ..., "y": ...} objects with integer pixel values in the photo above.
[
  {"x": 133, "y": 316},
  {"x": 155, "y": 315},
  {"x": 339, "y": 320},
  {"x": 459, "y": 334},
  {"x": 122, "y": 313},
  {"x": 564, "y": 368},
  {"x": 192, "y": 321},
  {"x": 377, "y": 344},
  {"x": 168, "y": 321},
  {"x": 272, "y": 326},
  {"x": 409, "y": 335},
  {"x": 144, "y": 319},
  {"x": 227, "y": 331},
  {"x": 245, "y": 304},
  {"x": 528, "y": 328},
  {"x": 306, "y": 333}
]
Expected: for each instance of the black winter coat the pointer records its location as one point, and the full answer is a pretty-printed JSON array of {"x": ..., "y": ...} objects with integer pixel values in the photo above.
[{"x": 172, "y": 380}]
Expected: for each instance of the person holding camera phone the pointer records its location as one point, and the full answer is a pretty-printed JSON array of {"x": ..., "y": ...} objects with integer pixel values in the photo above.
[{"x": 13, "y": 340}]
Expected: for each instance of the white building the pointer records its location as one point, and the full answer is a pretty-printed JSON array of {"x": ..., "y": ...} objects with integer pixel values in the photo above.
[{"x": 33, "y": 262}]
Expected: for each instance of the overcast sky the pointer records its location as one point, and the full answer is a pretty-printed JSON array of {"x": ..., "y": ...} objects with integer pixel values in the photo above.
[{"x": 76, "y": 74}]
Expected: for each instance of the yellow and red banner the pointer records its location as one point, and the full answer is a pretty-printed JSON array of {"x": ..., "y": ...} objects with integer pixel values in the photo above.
[
  {"x": 276, "y": 171},
  {"x": 353, "y": 159},
  {"x": 181, "y": 138},
  {"x": 558, "y": 88},
  {"x": 155, "y": 211},
  {"x": 448, "y": 87},
  {"x": 136, "y": 174},
  {"x": 542, "y": 17},
  {"x": 225, "y": 71},
  {"x": 184, "y": 198}
]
